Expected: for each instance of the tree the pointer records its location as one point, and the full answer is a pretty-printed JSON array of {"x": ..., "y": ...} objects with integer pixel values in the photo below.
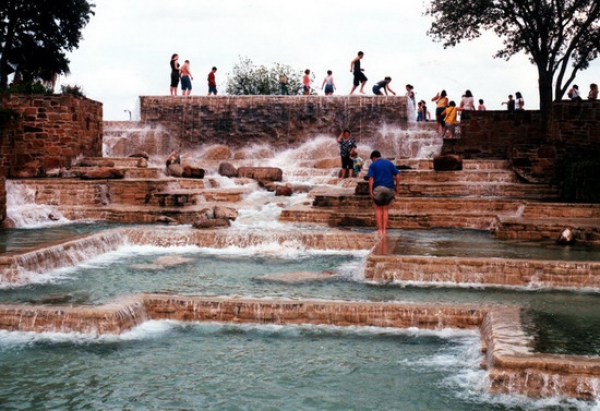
[
  {"x": 35, "y": 36},
  {"x": 561, "y": 37},
  {"x": 247, "y": 78}
]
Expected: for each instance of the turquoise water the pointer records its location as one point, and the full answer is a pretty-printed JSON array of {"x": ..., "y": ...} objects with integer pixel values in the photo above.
[{"x": 173, "y": 366}]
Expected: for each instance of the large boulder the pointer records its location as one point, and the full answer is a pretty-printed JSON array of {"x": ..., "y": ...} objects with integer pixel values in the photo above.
[
  {"x": 284, "y": 190},
  {"x": 205, "y": 223},
  {"x": 227, "y": 213},
  {"x": 175, "y": 170},
  {"x": 102, "y": 173},
  {"x": 227, "y": 170},
  {"x": 448, "y": 162},
  {"x": 261, "y": 173},
  {"x": 192, "y": 172}
]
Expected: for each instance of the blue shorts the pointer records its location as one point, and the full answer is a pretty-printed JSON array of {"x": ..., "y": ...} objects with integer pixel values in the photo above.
[
  {"x": 186, "y": 83},
  {"x": 212, "y": 89},
  {"x": 328, "y": 88}
]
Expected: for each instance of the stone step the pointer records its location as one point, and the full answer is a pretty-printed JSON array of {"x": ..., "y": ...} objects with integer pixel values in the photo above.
[
  {"x": 119, "y": 162},
  {"x": 397, "y": 219},
  {"x": 472, "y": 176},
  {"x": 479, "y": 164},
  {"x": 562, "y": 210},
  {"x": 132, "y": 214},
  {"x": 587, "y": 230},
  {"x": 481, "y": 189},
  {"x": 473, "y": 205},
  {"x": 131, "y": 173}
]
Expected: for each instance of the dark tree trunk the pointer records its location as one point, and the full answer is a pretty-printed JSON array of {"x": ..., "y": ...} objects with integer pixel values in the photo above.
[{"x": 546, "y": 93}]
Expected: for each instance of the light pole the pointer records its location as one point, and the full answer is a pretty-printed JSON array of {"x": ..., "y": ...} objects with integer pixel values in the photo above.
[{"x": 128, "y": 111}]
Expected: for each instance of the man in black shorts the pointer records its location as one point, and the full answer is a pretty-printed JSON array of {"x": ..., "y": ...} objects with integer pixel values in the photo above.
[{"x": 359, "y": 76}]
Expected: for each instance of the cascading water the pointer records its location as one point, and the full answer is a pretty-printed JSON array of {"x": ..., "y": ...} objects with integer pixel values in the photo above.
[{"x": 229, "y": 366}]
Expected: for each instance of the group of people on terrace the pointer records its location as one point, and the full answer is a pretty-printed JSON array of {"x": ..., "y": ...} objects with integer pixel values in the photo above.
[{"x": 183, "y": 74}]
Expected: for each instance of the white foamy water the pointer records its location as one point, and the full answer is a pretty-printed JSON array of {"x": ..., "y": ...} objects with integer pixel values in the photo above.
[{"x": 22, "y": 210}]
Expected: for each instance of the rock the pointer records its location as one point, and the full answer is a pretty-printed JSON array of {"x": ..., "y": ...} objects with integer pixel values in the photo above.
[
  {"x": 166, "y": 220},
  {"x": 54, "y": 173},
  {"x": 297, "y": 277},
  {"x": 174, "y": 170},
  {"x": 217, "y": 152},
  {"x": 210, "y": 223},
  {"x": 140, "y": 155},
  {"x": 70, "y": 173},
  {"x": 449, "y": 162},
  {"x": 31, "y": 169},
  {"x": 102, "y": 173},
  {"x": 362, "y": 188},
  {"x": 226, "y": 213},
  {"x": 142, "y": 163},
  {"x": 173, "y": 158},
  {"x": 192, "y": 172},
  {"x": 328, "y": 163},
  {"x": 227, "y": 170},
  {"x": 87, "y": 162},
  {"x": 567, "y": 237},
  {"x": 261, "y": 173},
  {"x": 270, "y": 186},
  {"x": 283, "y": 190}
]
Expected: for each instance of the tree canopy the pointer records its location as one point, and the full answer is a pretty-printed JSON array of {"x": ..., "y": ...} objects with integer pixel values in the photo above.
[
  {"x": 561, "y": 37},
  {"x": 35, "y": 36},
  {"x": 247, "y": 78}
]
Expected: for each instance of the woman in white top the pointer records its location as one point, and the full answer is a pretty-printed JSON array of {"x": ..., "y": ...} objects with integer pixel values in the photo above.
[
  {"x": 328, "y": 84},
  {"x": 467, "y": 103},
  {"x": 519, "y": 103}
]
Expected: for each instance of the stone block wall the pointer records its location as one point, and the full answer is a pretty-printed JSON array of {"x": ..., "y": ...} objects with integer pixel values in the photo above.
[
  {"x": 2, "y": 199},
  {"x": 518, "y": 137},
  {"x": 279, "y": 120},
  {"x": 49, "y": 131}
]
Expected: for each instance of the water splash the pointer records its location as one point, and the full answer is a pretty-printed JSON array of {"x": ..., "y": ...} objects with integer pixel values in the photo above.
[{"x": 23, "y": 211}]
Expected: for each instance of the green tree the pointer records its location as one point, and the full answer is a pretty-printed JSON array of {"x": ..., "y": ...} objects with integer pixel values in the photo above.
[
  {"x": 561, "y": 37},
  {"x": 246, "y": 78},
  {"x": 35, "y": 36}
]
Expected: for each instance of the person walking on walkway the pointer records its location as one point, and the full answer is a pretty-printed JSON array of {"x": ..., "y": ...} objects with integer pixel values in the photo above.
[{"x": 359, "y": 76}]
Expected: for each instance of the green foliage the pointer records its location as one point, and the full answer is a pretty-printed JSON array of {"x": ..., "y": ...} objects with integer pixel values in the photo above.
[
  {"x": 561, "y": 37},
  {"x": 35, "y": 36},
  {"x": 27, "y": 88},
  {"x": 247, "y": 78},
  {"x": 75, "y": 90},
  {"x": 578, "y": 180}
]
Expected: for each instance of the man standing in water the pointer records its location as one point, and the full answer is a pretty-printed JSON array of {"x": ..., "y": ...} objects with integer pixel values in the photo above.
[
  {"x": 384, "y": 180},
  {"x": 346, "y": 144},
  {"x": 359, "y": 76}
]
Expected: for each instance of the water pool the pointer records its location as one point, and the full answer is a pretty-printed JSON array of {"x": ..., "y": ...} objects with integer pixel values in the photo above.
[{"x": 173, "y": 366}]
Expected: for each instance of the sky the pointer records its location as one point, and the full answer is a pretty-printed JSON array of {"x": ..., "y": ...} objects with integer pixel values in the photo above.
[{"x": 127, "y": 45}]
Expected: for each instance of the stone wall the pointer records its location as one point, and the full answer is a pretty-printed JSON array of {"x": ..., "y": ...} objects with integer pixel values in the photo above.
[
  {"x": 518, "y": 137},
  {"x": 49, "y": 133},
  {"x": 278, "y": 120},
  {"x": 2, "y": 199}
]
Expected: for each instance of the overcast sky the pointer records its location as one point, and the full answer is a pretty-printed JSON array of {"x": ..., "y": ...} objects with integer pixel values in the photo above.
[{"x": 127, "y": 46}]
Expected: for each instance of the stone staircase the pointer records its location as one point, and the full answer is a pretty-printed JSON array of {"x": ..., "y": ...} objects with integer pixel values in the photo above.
[{"x": 485, "y": 195}]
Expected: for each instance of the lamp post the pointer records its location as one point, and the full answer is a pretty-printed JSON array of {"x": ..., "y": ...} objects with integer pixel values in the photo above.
[{"x": 128, "y": 111}]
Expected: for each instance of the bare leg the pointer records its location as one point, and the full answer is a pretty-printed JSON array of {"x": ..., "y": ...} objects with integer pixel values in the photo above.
[
  {"x": 362, "y": 86},
  {"x": 353, "y": 88},
  {"x": 384, "y": 219},
  {"x": 379, "y": 219}
]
